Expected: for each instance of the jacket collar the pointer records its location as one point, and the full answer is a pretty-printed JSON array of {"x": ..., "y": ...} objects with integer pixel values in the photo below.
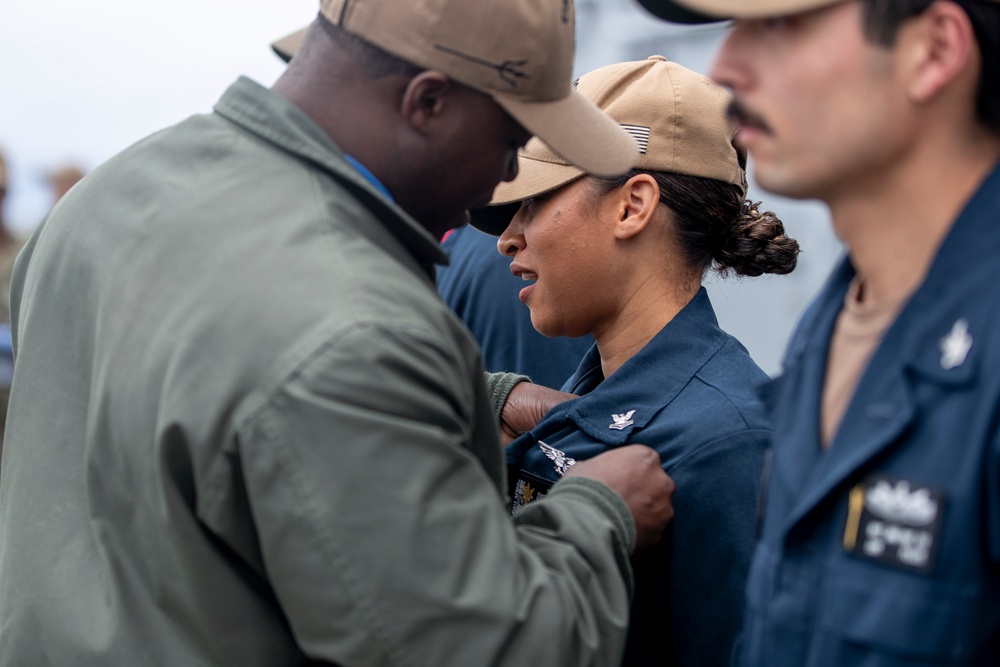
[
  {"x": 277, "y": 121},
  {"x": 667, "y": 362}
]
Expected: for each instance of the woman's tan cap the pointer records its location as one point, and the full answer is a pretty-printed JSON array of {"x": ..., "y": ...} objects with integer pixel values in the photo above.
[
  {"x": 677, "y": 116},
  {"x": 519, "y": 52}
]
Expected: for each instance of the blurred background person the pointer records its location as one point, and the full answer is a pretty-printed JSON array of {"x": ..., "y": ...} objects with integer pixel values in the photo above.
[
  {"x": 8, "y": 251},
  {"x": 10, "y": 244},
  {"x": 64, "y": 178},
  {"x": 623, "y": 259}
]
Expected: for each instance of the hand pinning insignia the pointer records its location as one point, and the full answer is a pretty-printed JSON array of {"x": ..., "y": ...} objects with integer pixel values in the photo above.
[
  {"x": 621, "y": 422},
  {"x": 956, "y": 345}
]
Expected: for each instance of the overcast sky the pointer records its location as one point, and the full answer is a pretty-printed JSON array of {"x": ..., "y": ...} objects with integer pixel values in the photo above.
[{"x": 79, "y": 81}]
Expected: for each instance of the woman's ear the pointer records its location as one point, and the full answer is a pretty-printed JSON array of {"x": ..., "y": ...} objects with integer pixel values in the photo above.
[{"x": 636, "y": 204}]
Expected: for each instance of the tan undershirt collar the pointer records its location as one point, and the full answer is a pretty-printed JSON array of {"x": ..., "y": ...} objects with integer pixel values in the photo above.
[{"x": 859, "y": 330}]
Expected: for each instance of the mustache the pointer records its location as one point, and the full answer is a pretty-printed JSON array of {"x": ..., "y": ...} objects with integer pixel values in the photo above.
[{"x": 744, "y": 116}]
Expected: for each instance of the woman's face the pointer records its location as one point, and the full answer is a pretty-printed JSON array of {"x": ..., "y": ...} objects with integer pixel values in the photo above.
[{"x": 562, "y": 245}]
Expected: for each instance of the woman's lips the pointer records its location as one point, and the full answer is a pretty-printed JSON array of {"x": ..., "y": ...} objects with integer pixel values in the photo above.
[{"x": 524, "y": 274}]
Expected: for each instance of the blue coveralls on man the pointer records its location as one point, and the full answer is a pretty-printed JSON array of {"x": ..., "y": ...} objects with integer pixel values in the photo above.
[
  {"x": 880, "y": 540},
  {"x": 924, "y": 417}
]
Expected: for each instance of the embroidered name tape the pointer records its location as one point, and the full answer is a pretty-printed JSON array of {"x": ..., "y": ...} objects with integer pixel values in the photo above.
[{"x": 895, "y": 522}]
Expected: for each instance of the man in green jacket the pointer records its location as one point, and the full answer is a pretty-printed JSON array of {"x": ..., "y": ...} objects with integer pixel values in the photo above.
[{"x": 245, "y": 430}]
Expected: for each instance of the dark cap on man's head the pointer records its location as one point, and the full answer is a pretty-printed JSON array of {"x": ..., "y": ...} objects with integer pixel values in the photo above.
[
  {"x": 670, "y": 11},
  {"x": 706, "y": 11}
]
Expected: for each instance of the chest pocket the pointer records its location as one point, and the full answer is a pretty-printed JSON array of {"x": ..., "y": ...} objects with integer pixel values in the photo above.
[
  {"x": 862, "y": 614},
  {"x": 867, "y": 609}
]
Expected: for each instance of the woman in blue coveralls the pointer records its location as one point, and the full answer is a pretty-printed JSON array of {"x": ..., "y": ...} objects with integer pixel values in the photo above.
[{"x": 623, "y": 259}]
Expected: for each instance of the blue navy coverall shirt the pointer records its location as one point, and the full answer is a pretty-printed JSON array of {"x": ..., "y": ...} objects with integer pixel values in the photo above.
[
  {"x": 691, "y": 394},
  {"x": 884, "y": 550}
]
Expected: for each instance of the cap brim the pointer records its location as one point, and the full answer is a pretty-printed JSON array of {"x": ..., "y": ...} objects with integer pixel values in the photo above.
[
  {"x": 668, "y": 11},
  {"x": 534, "y": 177},
  {"x": 287, "y": 46},
  {"x": 576, "y": 129},
  {"x": 704, "y": 11},
  {"x": 493, "y": 219}
]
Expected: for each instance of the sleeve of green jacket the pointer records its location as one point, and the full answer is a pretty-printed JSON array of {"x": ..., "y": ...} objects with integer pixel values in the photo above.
[
  {"x": 386, "y": 542},
  {"x": 499, "y": 386}
]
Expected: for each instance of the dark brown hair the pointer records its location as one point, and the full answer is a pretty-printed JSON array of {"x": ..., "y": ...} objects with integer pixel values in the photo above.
[{"x": 717, "y": 227}]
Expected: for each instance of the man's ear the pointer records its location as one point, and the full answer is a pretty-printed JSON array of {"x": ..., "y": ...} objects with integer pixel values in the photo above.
[
  {"x": 636, "y": 204},
  {"x": 424, "y": 98},
  {"x": 938, "y": 46}
]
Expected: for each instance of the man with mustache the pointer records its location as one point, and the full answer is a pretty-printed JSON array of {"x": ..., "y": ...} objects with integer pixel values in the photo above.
[{"x": 880, "y": 540}]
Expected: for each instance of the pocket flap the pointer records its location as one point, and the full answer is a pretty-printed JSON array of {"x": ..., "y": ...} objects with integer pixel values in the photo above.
[{"x": 902, "y": 614}]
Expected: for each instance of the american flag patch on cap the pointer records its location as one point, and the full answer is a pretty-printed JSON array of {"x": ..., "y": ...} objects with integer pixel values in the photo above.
[{"x": 641, "y": 135}]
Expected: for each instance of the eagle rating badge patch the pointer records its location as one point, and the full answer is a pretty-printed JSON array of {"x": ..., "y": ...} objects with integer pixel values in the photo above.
[{"x": 895, "y": 522}]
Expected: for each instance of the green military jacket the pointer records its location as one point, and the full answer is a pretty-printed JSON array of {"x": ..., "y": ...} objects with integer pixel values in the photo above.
[{"x": 244, "y": 430}]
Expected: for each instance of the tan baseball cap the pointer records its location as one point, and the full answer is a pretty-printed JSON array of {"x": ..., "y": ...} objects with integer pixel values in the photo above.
[
  {"x": 519, "y": 52},
  {"x": 677, "y": 116}
]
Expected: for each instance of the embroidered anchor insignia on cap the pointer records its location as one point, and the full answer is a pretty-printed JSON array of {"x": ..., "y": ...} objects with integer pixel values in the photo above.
[
  {"x": 956, "y": 345},
  {"x": 511, "y": 71},
  {"x": 561, "y": 461},
  {"x": 621, "y": 422}
]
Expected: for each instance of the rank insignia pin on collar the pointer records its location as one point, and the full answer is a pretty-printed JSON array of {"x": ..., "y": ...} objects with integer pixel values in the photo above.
[
  {"x": 620, "y": 422},
  {"x": 956, "y": 345}
]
